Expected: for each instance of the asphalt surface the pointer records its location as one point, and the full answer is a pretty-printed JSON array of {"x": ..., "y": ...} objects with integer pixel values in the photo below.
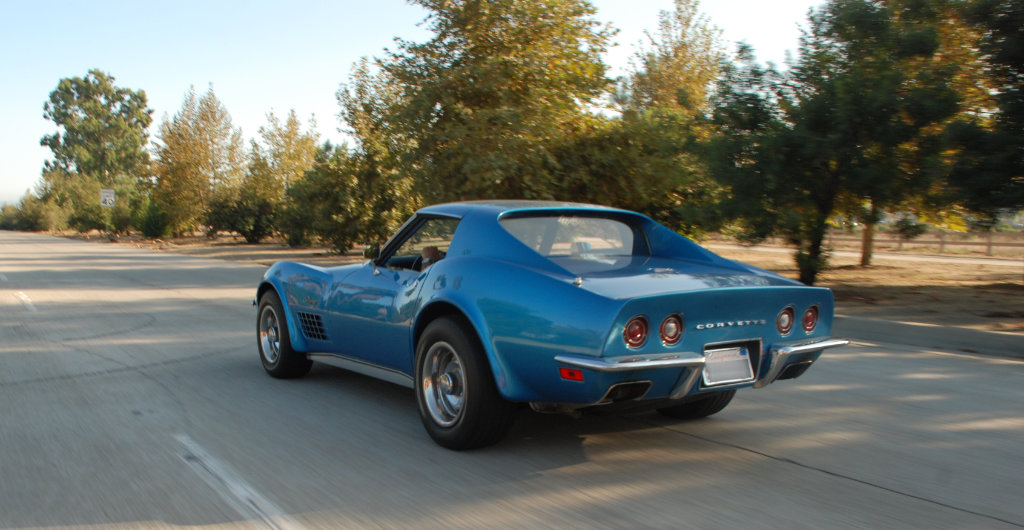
[{"x": 131, "y": 395}]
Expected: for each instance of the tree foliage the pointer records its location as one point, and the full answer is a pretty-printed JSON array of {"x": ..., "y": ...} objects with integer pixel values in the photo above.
[
  {"x": 284, "y": 151},
  {"x": 745, "y": 153},
  {"x": 361, "y": 194},
  {"x": 648, "y": 158},
  {"x": 343, "y": 200},
  {"x": 988, "y": 174},
  {"x": 895, "y": 97},
  {"x": 200, "y": 160},
  {"x": 679, "y": 64},
  {"x": 103, "y": 129},
  {"x": 506, "y": 100},
  {"x": 101, "y": 142},
  {"x": 485, "y": 99},
  {"x": 647, "y": 162},
  {"x": 278, "y": 161},
  {"x": 31, "y": 214},
  {"x": 856, "y": 122}
]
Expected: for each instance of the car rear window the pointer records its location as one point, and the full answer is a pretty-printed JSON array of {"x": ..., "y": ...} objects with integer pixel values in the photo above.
[{"x": 573, "y": 236}]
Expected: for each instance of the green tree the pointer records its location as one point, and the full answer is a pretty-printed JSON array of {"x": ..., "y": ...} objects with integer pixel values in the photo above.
[
  {"x": 647, "y": 159},
  {"x": 276, "y": 162},
  {"x": 680, "y": 65},
  {"x": 383, "y": 161},
  {"x": 496, "y": 87},
  {"x": 325, "y": 202},
  {"x": 152, "y": 220},
  {"x": 101, "y": 142},
  {"x": 254, "y": 213},
  {"x": 284, "y": 150},
  {"x": 745, "y": 153},
  {"x": 31, "y": 214},
  {"x": 882, "y": 68},
  {"x": 200, "y": 161},
  {"x": 988, "y": 172},
  {"x": 10, "y": 217},
  {"x": 856, "y": 122},
  {"x": 647, "y": 162}
]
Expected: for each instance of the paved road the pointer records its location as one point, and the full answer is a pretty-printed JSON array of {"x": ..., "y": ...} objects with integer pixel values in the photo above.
[{"x": 131, "y": 396}]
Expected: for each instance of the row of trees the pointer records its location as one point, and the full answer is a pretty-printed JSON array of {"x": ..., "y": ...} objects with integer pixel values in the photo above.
[
  {"x": 196, "y": 175},
  {"x": 890, "y": 105}
]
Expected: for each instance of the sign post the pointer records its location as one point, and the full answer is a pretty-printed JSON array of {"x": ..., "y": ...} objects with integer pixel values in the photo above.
[{"x": 107, "y": 200}]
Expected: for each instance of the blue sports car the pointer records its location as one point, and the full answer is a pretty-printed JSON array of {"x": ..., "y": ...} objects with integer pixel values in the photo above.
[{"x": 480, "y": 306}]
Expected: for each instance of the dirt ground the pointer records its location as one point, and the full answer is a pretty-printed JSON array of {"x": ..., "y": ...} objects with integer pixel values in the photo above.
[{"x": 958, "y": 291}]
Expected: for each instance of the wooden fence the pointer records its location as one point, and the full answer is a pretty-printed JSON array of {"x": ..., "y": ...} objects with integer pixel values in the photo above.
[
  {"x": 990, "y": 244},
  {"x": 1001, "y": 245}
]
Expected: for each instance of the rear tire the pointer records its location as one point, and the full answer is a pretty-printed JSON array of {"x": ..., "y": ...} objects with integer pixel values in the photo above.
[
  {"x": 459, "y": 403},
  {"x": 276, "y": 353},
  {"x": 702, "y": 407}
]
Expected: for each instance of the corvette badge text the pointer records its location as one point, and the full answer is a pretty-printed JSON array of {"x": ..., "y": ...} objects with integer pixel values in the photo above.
[{"x": 732, "y": 324}]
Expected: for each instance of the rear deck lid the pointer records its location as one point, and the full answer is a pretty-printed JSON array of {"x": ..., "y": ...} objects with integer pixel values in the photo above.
[{"x": 621, "y": 277}]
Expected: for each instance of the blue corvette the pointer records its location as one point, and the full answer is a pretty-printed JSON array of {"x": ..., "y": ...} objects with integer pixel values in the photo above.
[{"x": 480, "y": 306}]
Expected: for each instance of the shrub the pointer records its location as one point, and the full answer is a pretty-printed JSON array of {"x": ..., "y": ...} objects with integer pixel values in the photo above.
[
  {"x": 908, "y": 228},
  {"x": 155, "y": 223}
]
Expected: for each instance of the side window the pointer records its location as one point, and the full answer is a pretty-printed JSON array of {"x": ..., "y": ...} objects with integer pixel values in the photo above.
[{"x": 426, "y": 246}]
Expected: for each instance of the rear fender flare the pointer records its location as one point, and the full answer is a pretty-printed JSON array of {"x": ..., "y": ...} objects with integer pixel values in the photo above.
[{"x": 503, "y": 376}]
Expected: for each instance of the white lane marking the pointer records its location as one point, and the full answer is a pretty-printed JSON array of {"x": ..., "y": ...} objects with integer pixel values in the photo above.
[
  {"x": 25, "y": 301},
  {"x": 232, "y": 488}
]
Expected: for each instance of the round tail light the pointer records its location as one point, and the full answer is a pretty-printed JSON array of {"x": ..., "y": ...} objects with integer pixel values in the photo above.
[
  {"x": 635, "y": 332},
  {"x": 784, "y": 322},
  {"x": 671, "y": 330},
  {"x": 810, "y": 318}
]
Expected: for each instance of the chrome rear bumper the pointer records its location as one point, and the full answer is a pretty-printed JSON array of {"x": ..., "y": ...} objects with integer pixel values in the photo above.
[{"x": 779, "y": 359}]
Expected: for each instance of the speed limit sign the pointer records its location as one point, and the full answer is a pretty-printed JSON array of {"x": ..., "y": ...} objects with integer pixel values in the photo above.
[{"x": 107, "y": 198}]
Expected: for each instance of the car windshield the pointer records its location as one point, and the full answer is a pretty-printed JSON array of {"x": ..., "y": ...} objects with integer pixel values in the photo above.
[{"x": 560, "y": 238}]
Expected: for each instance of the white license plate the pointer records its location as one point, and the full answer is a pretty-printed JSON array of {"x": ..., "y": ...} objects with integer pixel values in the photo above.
[{"x": 727, "y": 365}]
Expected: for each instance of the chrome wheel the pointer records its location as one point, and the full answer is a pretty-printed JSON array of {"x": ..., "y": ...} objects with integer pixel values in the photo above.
[
  {"x": 459, "y": 403},
  {"x": 278, "y": 357},
  {"x": 270, "y": 335},
  {"x": 444, "y": 384}
]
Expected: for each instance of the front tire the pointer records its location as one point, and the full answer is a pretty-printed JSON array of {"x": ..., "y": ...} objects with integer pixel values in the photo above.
[
  {"x": 276, "y": 353},
  {"x": 702, "y": 407},
  {"x": 459, "y": 403}
]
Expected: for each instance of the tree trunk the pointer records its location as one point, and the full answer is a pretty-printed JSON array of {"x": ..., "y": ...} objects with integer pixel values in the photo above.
[
  {"x": 867, "y": 244},
  {"x": 811, "y": 260}
]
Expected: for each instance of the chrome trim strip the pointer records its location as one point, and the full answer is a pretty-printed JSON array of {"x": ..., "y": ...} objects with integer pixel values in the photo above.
[
  {"x": 810, "y": 346},
  {"x": 630, "y": 363},
  {"x": 365, "y": 368},
  {"x": 781, "y": 355}
]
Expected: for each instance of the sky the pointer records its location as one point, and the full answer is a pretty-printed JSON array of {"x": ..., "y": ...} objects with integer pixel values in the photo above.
[{"x": 263, "y": 55}]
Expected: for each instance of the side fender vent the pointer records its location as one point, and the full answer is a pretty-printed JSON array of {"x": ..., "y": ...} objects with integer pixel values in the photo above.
[{"x": 312, "y": 326}]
